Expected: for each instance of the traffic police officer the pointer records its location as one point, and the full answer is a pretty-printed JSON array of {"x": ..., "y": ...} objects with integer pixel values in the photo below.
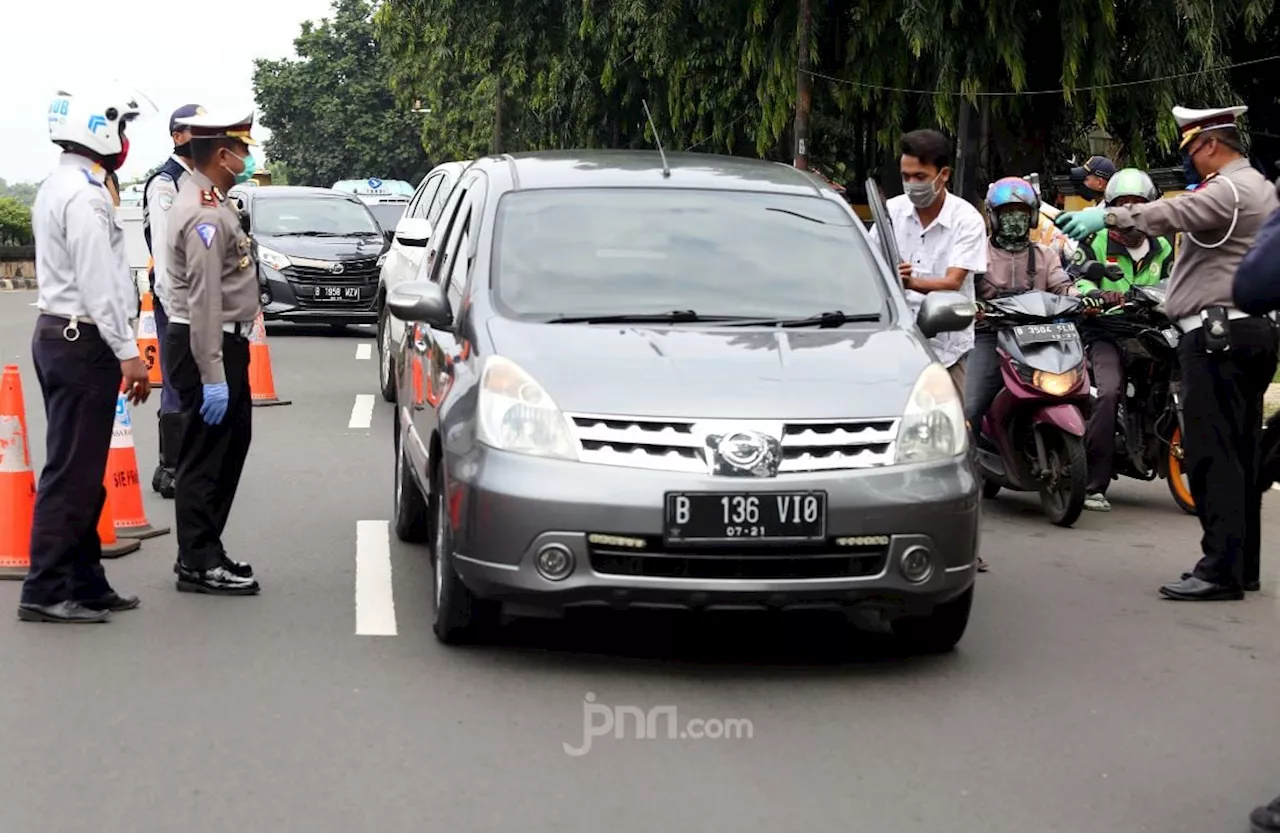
[
  {"x": 213, "y": 302},
  {"x": 1228, "y": 357},
  {"x": 157, "y": 198},
  {"x": 82, "y": 347}
]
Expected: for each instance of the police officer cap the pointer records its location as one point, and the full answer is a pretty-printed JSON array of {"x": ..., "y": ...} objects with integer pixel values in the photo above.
[
  {"x": 186, "y": 111},
  {"x": 220, "y": 126},
  {"x": 1191, "y": 123}
]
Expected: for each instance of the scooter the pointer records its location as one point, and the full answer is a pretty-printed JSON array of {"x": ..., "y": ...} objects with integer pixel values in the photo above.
[{"x": 1032, "y": 437}]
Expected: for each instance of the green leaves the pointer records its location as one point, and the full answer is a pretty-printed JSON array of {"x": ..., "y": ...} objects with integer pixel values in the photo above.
[
  {"x": 332, "y": 111},
  {"x": 15, "y": 223}
]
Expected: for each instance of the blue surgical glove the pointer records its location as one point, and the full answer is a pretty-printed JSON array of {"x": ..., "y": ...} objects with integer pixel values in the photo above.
[
  {"x": 214, "y": 406},
  {"x": 1080, "y": 224}
]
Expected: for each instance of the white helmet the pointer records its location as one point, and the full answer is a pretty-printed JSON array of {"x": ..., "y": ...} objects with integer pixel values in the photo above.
[{"x": 93, "y": 119}]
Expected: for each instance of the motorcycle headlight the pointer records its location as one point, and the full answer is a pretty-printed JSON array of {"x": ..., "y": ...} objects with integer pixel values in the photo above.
[
  {"x": 517, "y": 415},
  {"x": 933, "y": 425},
  {"x": 1056, "y": 384},
  {"x": 272, "y": 258}
]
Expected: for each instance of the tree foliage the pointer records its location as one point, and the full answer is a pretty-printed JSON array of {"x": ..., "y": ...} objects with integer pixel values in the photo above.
[
  {"x": 331, "y": 111},
  {"x": 15, "y": 222},
  {"x": 23, "y": 192},
  {"x": 720, "y": 75}
]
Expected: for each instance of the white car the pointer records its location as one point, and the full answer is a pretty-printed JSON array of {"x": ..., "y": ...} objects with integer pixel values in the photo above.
[{"x": 404, "y": 258}]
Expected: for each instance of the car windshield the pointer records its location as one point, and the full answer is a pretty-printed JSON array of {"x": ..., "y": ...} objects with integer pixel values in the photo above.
[
  {"x": 388, "y": 213},
  {"x": 324, "y": 216},
  {"x": 624, "y": 252}
]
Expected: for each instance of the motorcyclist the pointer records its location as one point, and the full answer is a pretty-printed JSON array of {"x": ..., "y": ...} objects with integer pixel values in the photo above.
[
  {"x": 1015, "y": 265},
  {"x": 1130, "y": 259}
]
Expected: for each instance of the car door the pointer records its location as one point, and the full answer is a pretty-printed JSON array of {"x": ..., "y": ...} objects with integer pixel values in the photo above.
[
  {"x": 403, "y": 259},
  {"x": 434, "y": 352}
]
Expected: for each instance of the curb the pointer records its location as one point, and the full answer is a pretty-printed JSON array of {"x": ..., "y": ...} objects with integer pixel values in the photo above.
[{"x": 17, "y": 284}]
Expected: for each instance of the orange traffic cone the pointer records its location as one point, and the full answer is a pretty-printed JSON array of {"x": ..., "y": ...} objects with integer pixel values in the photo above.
[
  {"x": 149, "y": 340},
  {"x": 122, "y": 480},
  {"x": 262, "y": 385},
  {"x": 17, "y": 482},
  {"x": 113, "y": 546}
]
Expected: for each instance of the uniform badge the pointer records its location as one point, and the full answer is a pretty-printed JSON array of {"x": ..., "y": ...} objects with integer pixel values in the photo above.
[
  {"x": 243, "y": 244},
  {"x": 103, "y": 215},
  {"x": 165, "y": 201},
  {"x": 206, "y": 232},
  {"x": 244, "y": 262},
  {"x": 208, "y": 199}
]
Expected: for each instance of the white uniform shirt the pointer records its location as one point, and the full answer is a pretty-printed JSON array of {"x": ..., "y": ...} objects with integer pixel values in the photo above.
[
  {"x": 957, "y": 238},
  {"x": 160, "y": 196},
  {"x": 82, "y": 268}
]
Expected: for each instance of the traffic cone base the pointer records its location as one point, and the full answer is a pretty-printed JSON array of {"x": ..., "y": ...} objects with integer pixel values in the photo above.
[
  {"x": 112, "y": 546},
  {"x": 262, "y": 385},
  {"x": 123, "y": 483}
]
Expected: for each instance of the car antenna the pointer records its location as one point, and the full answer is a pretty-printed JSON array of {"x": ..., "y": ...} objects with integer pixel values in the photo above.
[{"x": 666, "y": 170}]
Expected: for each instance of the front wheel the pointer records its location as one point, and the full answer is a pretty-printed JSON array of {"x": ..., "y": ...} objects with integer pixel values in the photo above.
[
  {"x": 1062, "y": 493},
  {"x": 459, "y": 616},
  {"x": 1179, "y": 482},
  {"x": 386, "y": 359},
  {"x": 938, "y": 632}
]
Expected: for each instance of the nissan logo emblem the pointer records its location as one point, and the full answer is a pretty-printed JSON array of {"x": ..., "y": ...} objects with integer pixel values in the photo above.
[
  {"x": 743, "y": 450},
  {"x": 336, "y": 268}
]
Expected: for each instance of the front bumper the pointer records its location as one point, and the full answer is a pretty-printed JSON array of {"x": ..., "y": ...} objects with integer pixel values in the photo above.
[
  {"x": 287, "y": 300},
  {"x": 506, "y": 508}
]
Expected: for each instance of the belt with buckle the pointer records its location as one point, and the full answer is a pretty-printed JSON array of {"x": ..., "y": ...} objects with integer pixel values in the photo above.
[
  {"x": 1194, "y": 322},
  {"x": 235, "y": 328}
]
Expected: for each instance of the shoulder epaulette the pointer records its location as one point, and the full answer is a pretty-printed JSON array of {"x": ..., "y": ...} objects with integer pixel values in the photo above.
[
  {"x": 207, "y": 199},
  {"x": 92, "y": 179}
]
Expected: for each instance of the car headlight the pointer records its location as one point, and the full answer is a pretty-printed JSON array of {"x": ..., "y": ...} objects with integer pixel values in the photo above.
[
  {"x": 933, "y": 426},
  {"x": 272, "y": 258},
  {"x": 517, "y": 415},
  {"x": 382, "y": 258},
  {"x": 1056, "y": 384}
]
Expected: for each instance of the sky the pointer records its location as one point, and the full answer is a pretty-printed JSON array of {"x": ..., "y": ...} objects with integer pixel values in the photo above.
[{"x": 175, "y": 53}]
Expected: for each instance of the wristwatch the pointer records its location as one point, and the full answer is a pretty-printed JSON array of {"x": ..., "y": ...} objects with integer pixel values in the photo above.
[{"x": 1109, "y": 219}]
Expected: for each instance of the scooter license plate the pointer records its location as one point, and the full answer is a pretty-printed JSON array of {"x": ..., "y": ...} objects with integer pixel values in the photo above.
[{"x": 1043, "y": 333}]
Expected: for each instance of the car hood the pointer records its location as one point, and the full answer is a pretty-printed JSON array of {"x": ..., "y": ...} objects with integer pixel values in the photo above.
[
  {"x": 324, "y": 248},
  {"x": 717, "y": 373}
]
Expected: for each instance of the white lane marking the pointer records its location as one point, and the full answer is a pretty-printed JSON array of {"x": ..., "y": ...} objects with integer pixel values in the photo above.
[
  {"x": 362, "y": 411},
  {"x": 375, "y": 601},
  {"x": 364, "y": 352}
]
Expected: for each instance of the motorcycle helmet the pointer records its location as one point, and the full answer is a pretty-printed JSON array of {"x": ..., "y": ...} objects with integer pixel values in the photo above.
[
  {"x": 1011, "y": 231},
  {"x": 93, "y": 120},
  {"x": 1131, "y": 182}
]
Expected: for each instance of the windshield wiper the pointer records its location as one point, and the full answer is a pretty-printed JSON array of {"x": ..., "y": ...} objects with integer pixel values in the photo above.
[
  {"x": 834, "y": 318},
  {"x": 309, "y": 234},
  {"x": 796, "y": 214},
  {"x": 675, "y": 316}
]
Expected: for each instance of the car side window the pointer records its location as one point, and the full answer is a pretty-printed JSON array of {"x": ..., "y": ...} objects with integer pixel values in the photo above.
[
  {"x": 441, "y": 197},
  {"x": 455, "y": 256},
  {"x": 425, "y": 198},
  {"x": 441, "y": 242}
]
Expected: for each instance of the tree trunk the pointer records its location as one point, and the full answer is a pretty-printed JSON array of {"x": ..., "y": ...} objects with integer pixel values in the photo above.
[
  {"x": 804, "y": 87},
  {"x": 497, "y": 114}
]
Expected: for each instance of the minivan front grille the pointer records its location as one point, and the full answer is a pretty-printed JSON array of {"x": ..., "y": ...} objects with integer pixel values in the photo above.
[
  {"x": 811, "y": 561},
  {"x": 318, "y": 272},
  {"x": 682, "y": 445}
]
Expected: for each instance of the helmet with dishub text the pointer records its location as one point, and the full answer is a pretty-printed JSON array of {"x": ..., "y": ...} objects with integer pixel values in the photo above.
[{"x": 93, "y": 118}]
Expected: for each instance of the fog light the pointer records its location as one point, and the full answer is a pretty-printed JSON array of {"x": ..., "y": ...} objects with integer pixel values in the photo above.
[
  {"x": 265, "y": 298},
  {"x": 916, "y": 565},
  {"x": 554, "y": 562}
]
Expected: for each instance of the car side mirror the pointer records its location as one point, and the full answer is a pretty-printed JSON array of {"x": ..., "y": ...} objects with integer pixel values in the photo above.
[
  {"x": 389, "y": 234},
  {"x": 945, "y": 312},
  {"x": 413, "y": 231},
  {"x": 421, "y": 302}
]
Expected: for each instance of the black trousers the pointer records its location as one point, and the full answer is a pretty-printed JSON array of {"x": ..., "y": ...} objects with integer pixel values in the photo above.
[
  {"x": 80, "y": 381},
  {"x": 211, "y": 457},
  {"x": 983, "y": 381},
  {"x": 1222, "y": 415},
  {"x": 1107, "y": 368}
]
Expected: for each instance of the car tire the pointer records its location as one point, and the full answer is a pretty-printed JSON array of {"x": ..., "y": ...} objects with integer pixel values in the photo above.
[
  {"x": 411, "y": 514},
  {"x": 940, "y": 630},
  {"x": 990, "y": 490},
  {"x": 459, "y": 617},
  {"x": 386, "y": 359}
]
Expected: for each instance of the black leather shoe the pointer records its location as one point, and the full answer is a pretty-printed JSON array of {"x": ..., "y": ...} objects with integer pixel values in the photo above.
[
  {"x": 166, "y": 485},
  {"x": 1249, "y": 586},
  {"x": 63, "y": 613},
  {"x": 216, "y": 582},
  {"x": 1198, "y": 590},
  {"x": 1266, "y": 819},
  {"x": 113, "y": 601},
  {"x": 237, "y": 568}
]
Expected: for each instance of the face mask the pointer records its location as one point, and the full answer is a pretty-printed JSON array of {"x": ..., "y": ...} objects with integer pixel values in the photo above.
[
  {"x": 1131, "y": 239},
  {"x": 921, "y": 194},
  {"x": 1013, "y": 231},
  {"x": 250, "y": 166},
  {"x": 183, "y": 151},
  {"x": 1090, "y": 194},
  {"x": 1189, "y": 169}
]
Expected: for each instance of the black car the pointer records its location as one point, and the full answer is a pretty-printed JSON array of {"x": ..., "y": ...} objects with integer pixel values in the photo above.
[{"x": 319, "y": 254}]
